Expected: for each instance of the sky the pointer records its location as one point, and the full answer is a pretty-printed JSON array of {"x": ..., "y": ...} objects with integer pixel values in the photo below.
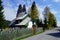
[{"x": 11, "y": 6}]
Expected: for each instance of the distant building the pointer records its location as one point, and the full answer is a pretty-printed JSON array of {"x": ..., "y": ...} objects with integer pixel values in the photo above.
[{"x": 22, "y": 19}]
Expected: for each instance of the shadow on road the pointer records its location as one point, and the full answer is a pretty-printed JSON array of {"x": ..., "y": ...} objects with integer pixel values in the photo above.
[
  {"x": 55, "y": 34},
  {"x": 58, "y": 29}
]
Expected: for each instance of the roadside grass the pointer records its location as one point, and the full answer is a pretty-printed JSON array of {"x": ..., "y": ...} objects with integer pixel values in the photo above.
[
  {"x": 51, "y": 28},
  {"x": 29, "y": 35},
  {"x": 25, "y": 36},
  {"x": 12, "y": 34}
]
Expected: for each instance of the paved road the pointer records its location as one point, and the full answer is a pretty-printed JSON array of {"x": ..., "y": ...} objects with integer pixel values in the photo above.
[{"x": 48, "y": 35}]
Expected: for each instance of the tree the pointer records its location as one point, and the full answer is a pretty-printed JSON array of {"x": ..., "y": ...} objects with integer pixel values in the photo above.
[
  {"x": 2, "y": 20},
  {"x": 46, "y": 12},
  {"x": 20, "y": 9},
  {"x": 46, "y": 17},
  {"x": 52, "y": 20},
  {"x": 39, "y": 23},
  {"x": 34, "y": 12},
  {"x": 55, "y": 23},
  {"x": 45, "y": 24},
  {"x": 34, "y": 16}
]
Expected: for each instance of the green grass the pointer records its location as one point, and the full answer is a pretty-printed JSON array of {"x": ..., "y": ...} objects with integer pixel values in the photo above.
[
  {"x": 22, "y": 37},
  {"x": 29, "y": 35}
]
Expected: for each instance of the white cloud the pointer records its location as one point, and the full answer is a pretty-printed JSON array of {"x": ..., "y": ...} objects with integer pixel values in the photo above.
[
  {"x": 9, "y": 13},
  {"x": 58, "y": 23},
  {"x": 7, "y": 3},
  {"x": 54, "y": 12},
  {"x": 41, "y": 9},
  {"x": 9, "y": 10},
  {"x": 56, "y": 0}
]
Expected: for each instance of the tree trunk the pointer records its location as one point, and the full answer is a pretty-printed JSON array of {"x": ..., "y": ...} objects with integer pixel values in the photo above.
[{"x": 34, "y": 29}]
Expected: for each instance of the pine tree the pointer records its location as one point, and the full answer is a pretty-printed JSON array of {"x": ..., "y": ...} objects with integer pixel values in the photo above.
[
  {"x": 34, "y": 12},
  {"x": 34, "y": 16},
  {"x": 2, "y": 22}
]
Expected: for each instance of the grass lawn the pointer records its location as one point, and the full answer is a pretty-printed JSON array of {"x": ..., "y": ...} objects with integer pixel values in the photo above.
[{"x": 29, "y": 35}]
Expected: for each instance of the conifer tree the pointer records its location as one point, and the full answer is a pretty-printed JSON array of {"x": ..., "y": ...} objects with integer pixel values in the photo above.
[
  {"x": 52, "y": 20},
  {"x": 34, "y": 16},
  {"x": 2, "y": 22},
  {"x": 34, "y": 12}
]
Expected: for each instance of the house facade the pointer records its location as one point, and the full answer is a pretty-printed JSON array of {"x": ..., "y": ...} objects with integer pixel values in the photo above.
[{"x": 22, "y": 19}]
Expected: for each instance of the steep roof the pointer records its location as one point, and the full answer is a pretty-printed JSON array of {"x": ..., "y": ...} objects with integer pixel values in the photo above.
[
  {"x": 22, "y": 16},
  {"x": 25, "y": 21}
]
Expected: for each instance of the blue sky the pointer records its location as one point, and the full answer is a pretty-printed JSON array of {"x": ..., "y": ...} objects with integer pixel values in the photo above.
[{"x": 11, "y": 6}]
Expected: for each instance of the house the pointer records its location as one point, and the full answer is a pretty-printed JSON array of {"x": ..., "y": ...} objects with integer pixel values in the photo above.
[{"x": 22, "y": 19}]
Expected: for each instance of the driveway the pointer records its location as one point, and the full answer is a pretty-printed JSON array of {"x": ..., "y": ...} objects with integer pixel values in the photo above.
[{"x": 48, "y": 35}]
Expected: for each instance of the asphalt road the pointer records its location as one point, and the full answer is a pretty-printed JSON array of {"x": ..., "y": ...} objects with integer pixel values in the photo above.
[{"x": 48, "y": 35}]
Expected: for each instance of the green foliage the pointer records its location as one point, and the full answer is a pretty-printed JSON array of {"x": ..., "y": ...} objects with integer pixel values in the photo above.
[
  {"x": 2, "y": 20},
  {"x": 7, "y": 22},
  {"x": 55, "y": 23},
  {"x": 46, "y": 17},
  {"x": 34, "y": 12},
  {"x": 39, "y": 23},
  {"x": 45, "y": 24},
  {"x": 50, "y": 20},
  {"x": 26, "y": 36}
]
